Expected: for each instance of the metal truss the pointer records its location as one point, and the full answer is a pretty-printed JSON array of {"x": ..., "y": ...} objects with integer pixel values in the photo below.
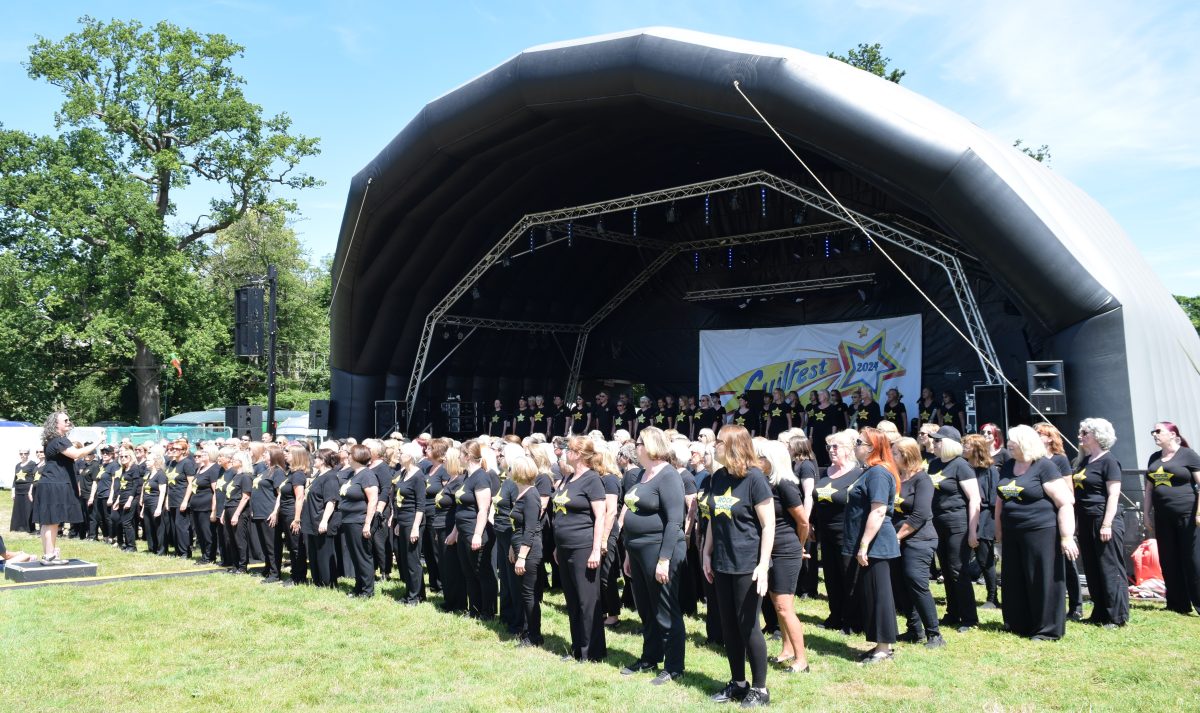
[
  {"x": 559, "y": 219},
  {"x": 779, "y": 288},
  {"x": 508, "y": 324}
]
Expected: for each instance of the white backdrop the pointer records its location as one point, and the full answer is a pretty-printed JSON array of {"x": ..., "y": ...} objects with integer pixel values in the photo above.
[{"x": 878, "y": 353}]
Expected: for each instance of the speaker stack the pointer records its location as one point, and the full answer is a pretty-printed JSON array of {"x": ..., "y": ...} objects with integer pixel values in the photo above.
[
  {"x": 245, "y": 421},
  {"x": 1047, "y": 387}
]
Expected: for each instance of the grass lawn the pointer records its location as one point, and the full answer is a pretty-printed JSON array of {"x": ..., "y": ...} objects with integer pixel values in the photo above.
[{"x": 229, "y": 643}]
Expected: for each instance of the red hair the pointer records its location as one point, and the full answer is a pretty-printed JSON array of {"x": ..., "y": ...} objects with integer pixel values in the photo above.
[
  {"x": 1175, "y": 430},
  {"x": 881, "y": 452},
  {"x": 997, "y": 435}
]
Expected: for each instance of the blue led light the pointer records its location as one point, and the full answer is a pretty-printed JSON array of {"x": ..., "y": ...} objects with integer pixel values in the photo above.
[
  {"x": 696, "y": 260},
  {"x": 729, "y": 258},
  {"x": 707, "y": 213}
]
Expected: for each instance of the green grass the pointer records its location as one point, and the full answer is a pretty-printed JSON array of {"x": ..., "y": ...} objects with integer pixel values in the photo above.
[{"x": 230, "y": 643}]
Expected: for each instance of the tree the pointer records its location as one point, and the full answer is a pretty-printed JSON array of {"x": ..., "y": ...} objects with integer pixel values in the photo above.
[
  {"x": 1191, "y": 307},
  {"x": 147, "y": 113},
  {"x": 869, "y": 58},
  {"x": 1041, "y": 154}
]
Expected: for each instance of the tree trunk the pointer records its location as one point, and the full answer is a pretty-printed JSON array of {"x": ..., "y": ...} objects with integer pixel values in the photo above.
[{"x": 146, "y": 376}]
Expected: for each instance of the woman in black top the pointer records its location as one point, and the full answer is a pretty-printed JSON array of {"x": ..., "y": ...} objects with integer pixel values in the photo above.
[
  {"x": 579, "y": 512},
  {"x": 127, "y": 490},
  {"x": 473, "y": 534},
  {"x": 956, "y": 518},
  {"x": 737, "y": 559},
  {"x": 610, "y": 565},
  {"x": 777, "y": 416},
  {"x": 522, "y": 420},
  {"x": 1172, "y": 510},
  {"x": 653, "y": 534},
  {"x": 1036, "y": 523},
  {"x": 976, "y": 453},
  {"x": 200, "y": 506},
  {"x": 408, "y": 514},
  {"x": 235, "y": 518},
  {"x": 829, "y": 515},
  {"x": 356, "y": 504},
  {"x": 291, "y": 503},
  {"x": 22, "y": 514},
  {"x": 450, "y": 475},
  {"x": 264, "y": 510},
  {"x": 1097, "y": 487},
  {"x": 791, "y": 529},
  {"x": 995, "y": 439},
  {"x": 952, "y": 413},
  {"x": 1053, "y": 441},
  {"x": 56, "y": 500},
  {"x": 912, "y": 517},
  {"x": 928, "y": 409},
  {"x": 154, "y": 503},
  {"x": 745, "y": 416},
  {"x": 434, "y": 535},
  {"x": 805, "y": 467},
  {"x": 894, "y": 411},
  {"x": 524, "y": 552},
  {"x": 319, "y": 520},
  {"x": 825, "y": 419}
]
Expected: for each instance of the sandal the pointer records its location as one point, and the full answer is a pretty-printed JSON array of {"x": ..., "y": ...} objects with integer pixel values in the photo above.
[{"x": 783, "y": 660}]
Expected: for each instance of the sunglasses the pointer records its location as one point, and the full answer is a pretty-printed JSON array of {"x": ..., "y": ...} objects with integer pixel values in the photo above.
[
  {"x": 831, "y": 448},
  {"x": 1156, "y": 431},
  {"x": 936, "y": 440}
]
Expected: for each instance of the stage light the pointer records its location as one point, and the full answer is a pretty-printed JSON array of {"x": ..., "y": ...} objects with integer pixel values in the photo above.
[
  {"x": 446, "y": 334},
  {"x": 798, "y": 300},
  {"x": 729, "y": 258},
  {"x": 549, "y": 235},
  {"x": 475, "y": 293},
  {"x": 460, "y": 336},
  {"x": 600, "y": 225},
  {"x": 734, "y": 203},
  {"x": 862, "y": 295},
  {"x": 532, "y": 247},
  {"x": 570, "y": 233},
  {"x": 671, "y": 215},
  {"x": 799, "y": 216},
  {"x": 696, "y": 260},
  {"x": 762, "y": 200},
  {"x": 505, "y": 262},
  {"x": 742, "y": 305}
]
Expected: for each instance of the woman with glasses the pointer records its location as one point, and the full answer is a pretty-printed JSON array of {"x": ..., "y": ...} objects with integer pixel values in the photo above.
[
  {"x": 154, "y": 503},
  {"x": 1172, "y": 509},
  {"x": 956, "y": 504},
  {"x": 199, "y": 504},
  {"x": 829, "y": 511},
  {"x": 1036, "y": 524},
  {"x": 995, "y": 440},
  {"x": 871, "y": 540},
  {"x": 1097, "y": 486},
  {"x": 737, "y": 559},
  {"x": 22, "y": 514},
  {"x": 912, "y": 517},
  {"x": 125, "y": 493},
  {"x": 236, "y": 519},
  {"x": 655, "y": 549},
  {"x": 824, "y": 419},
  {"x": 56, "y": 500},
  {"x": 579, "y": 511}
]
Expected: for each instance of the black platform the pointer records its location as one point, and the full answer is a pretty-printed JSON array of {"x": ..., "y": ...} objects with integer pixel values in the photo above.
[{"x": 36, "y": 572}]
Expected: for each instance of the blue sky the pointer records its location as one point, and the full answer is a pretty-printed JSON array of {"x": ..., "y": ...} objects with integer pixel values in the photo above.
[{"x": 1112, "y": 86}]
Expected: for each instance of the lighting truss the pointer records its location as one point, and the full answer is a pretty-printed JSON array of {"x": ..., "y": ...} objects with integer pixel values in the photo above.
[{"x": 778, "y": 288}]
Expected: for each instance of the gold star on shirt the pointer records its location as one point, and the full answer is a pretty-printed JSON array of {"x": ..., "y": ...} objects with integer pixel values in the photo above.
[
  {"x": 641, "y": 418},
  {"x": 776, "y": 412},
  {"x": 631, "y": 499},
  {"x": 399, "y": 498},
  {"x": 1079, "y": 478},
  {"x": 495, "y": 500},
  {"x": 458, "y": 494},
  {"x": 702, "y": 503},
  {"x": 538, "y": 416},
  {"x": 521, "y": 417},
  {"x": 891, "y": 415},
  {"x": 819, "y": 416},
  {"x": 659, "y": 418},
  {"x": 937, "y": 479},
  {"x": 740, "y": 420},
  {"x": 924, "y": 415},
  {"x": 560, "y": 502},
  {"x": 1160, "y": 477},
  {"x": 578, "y": 416},
  {"x": 495, "y": 418},
  {"x": 862, "y": 415},
  {"x": 723, "y": 504},
  {"x": 826, "y": 493},
  {"x": 1010, "y": 490},
  {"x": 698, "y": 414},
  {"x": 896, "y": 507},
  {"x": 948, "y": 419}
]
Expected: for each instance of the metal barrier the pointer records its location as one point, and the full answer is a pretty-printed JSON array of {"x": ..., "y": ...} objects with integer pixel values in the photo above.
[{"x": 139, "y": 434}]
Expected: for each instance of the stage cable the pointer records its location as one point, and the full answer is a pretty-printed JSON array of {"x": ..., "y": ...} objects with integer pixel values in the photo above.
[
  {"x": 337, "y": 283},
  {"x": 850, "y": 217}
]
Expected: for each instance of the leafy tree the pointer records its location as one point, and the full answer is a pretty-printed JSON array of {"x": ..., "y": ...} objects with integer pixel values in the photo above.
[
  {"x": 146, "y": 113},
  {"x": 870, "y": 58},
  {"x": 1040, "y": 154},
  {"x": 1191, "y": 307}
]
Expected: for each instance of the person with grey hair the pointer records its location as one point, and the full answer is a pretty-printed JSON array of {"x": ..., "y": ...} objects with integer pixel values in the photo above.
[
  {"x": 57, "y": 492},
  {"x": 1101, "y": 530},
  {"x": 956, "y": 505}
]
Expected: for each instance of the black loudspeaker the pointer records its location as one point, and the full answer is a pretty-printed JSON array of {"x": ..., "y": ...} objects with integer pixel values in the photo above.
[
  {"x": 390, "y": 417},
  {"x": 248, "y": 318},
  {"x": 318, "y": 415},
  {"x": 991, "y": 405},
  {"x": 1047, "y": 387},
  {"x": 245, "y": 421}
]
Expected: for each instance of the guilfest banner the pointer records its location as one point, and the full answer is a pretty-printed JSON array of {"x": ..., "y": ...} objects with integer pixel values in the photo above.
[{"x": 878, "y": 354}]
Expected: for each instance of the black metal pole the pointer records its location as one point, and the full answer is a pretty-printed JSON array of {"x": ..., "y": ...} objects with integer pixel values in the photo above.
[{"x": 272, "y": 284}]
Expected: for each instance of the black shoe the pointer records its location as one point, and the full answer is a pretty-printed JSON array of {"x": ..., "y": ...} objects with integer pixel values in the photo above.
[
  {"x": 949, "y": 621},
  {"x": 1076, "y": 614},
  {"x": 756, "y": 698},
  {"x": 665, "y": 677},
  {"x": 637, "y": 667},
  {"x": 289, "y": 583},
  {"x": 787, "y": 670},
  {"x": 912, "y": 636},
  {"x": 935, "y": 642},
  {"x": 568, "y": 658},
  {"x": 873, "y": 656},
  {"x": 270, "y": 580},
  {"x": 782, "y": 660},
  {"x": 731, "y": 692},
  {"x": 1039, "y": 637},
  {"x": 990, "y": 604},
  {"x": 965, "y": 628}
]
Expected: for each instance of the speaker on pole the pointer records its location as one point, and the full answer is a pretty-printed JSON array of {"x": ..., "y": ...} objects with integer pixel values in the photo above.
[
  {"x": 1047, "y": 387},
  {"x": 318, "y": 414},
  {"x": 245, "y": 421},
  {"x": 248, "y": 319}
]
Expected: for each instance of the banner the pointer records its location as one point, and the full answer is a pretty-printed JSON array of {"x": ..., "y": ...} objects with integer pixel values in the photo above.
[{"x": 878, "y": 354}]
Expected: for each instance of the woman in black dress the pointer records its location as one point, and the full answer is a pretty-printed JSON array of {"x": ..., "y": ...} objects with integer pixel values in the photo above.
[
  {"x": 1036, "y": 523},
  {"x": 987, "y": 474},
  {"x": 22, "y": 514},
  {"x": 525, "y": 548},
  {"x": 805, "y": 467},
  {"x": 829, "y": 511},
  {"x": 1172, "y": 510},
  {"x": 956, "y": 518},
  {"x": 198, "y": 503},
  {"x": 236, "y": 517},
  {"x": 579, "y": 512},
  {"x": 522, "y": 420},
  {"x": 408, "y": 514},
  {"x": 737, "y": 559},
  {"x": 291, "y": 502},
  {"x": 154, "y": 504},
  {"x": 655, "y": 549},
  {"x": 825, "y": 419},
  {"x": 791, "y": 529},
  {"x": 357, "y": 504},
  {"x": 319, "y": 520},
  {"x": 912, "y": 516},
  {"x": 57, "y": 494},
  {"x": 1097, "y": 486}
]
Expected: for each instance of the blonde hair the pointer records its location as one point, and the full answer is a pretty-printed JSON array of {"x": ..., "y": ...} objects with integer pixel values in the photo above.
[
  {"x": 453, "y": 462},
  {"x": 654, "y": 440},
  {"x": 779, "y": 462},
  {"x": 948, "y": 450},
  {"x": 908, "y": 455},
  {"x": 843, "y": 439},
  {"x": 1028, "y": 442},
  {"x": 543, "y": 456},
  {"x": 522, "y": 470}
]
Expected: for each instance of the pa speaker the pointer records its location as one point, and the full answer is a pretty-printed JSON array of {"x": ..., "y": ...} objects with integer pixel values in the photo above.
[
  {"x": 991, "y": 406},
  {"x": 318, "y": 414},
  {"x": 1047, "y": 387},
  {"x": 389, "y": 415},
  {"x": 244, "y": 420},
  {"x": 248, "y": 321}
]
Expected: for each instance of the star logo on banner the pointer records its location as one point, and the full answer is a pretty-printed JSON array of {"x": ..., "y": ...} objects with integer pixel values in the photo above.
[
  {"x": 1010, "y": 490},
  {"x": 1160, "y": 477},
  {"x": 867, "y": 365},
  {"x": 862, "y": 332},
  {"x": 937, "y": 479},
  {"x": 560, "y": 502},
  {"x": 631, "y": 499},
  {"x": 896, "y": 508},
  {"x": 1079, "y": 478},
  {"x": 819, "y": 416},
  {"x": 723, "y": 504},
  {"x": 776, "y": 412},
  {"x": 826, "y": 493}
]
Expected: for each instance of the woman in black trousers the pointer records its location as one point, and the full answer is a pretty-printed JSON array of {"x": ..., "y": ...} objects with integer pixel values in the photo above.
[
  {"x": 435, "y": 478},
  {"x": 357, "y": 505},
  {"x": 871, "y": 540},
  {"x": 525, "y": 550},
  {"x": 1053, "y": 442},
  {"x": 829, "y": 511},
  {"x": 408, "y": 516},
  {"x": 737, "y": 558},
  {"x": 1097, "y": 486},
  {"x": 199, "y": 504},
  {"x": 956, "y": 518},
  {"x": 472, "y": 534},
  {"x": 912, "y": 517},
  {"x": 578, "y": 533},
  {"x": 454, "y": 587},
  {"x": 154, "y": 504},
  {"x": 291, "y": 502},
  {"x": 264, "y": 510},
  {"x": 319, "y": 519},
  {"x": 654, "y": 550},
  {"x": 1172, "y": 509},
  {"x": 235, "y": 520},
  {"x": 1036, "y": 523},
  {"x": 977, "y": 453}
]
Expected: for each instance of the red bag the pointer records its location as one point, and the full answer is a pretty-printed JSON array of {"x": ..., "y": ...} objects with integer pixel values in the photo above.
[{"x": 1145, "y": 562}]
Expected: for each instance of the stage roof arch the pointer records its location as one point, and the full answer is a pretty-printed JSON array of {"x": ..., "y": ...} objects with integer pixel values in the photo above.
[{"x": 586, "y": 122}]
